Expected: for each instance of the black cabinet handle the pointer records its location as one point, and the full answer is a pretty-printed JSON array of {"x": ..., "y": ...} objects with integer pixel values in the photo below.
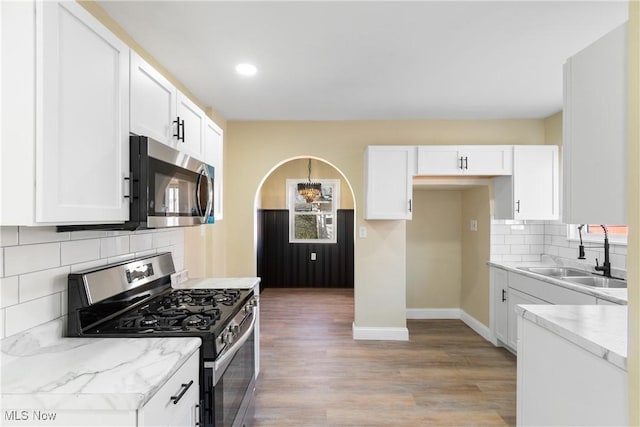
[
  {"x": 179, "y": 124},
  {"x": 461, "y": 160},
  {"x": 409, "y": 205},
  {"x": 518, "y": 206},
  {"x": 504, "y": 295},
  {"x": 466, "y": 162},
  {"x": 184, "y": 388}
]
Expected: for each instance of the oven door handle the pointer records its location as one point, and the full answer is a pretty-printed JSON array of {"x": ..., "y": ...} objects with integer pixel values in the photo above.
[{"x": 223, "y": 361}]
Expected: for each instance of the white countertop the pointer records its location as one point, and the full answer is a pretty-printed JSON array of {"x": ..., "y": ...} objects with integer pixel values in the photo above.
[
  {"x": 219, "y": 283},
  {"x": 41, "y": 369},
  {"x": 618, "y": 296},
  {"x": 599, "y": 329}
]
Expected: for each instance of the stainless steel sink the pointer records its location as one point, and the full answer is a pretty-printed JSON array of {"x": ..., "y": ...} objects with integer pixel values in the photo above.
[
  {"x": 557, "y": 271},
  {"x": 597, "y": 282}
]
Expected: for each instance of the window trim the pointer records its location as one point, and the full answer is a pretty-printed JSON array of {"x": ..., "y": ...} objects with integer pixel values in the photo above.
[
  {"x": 614, "y": 239},
  {"x": 292, "y": 192}
]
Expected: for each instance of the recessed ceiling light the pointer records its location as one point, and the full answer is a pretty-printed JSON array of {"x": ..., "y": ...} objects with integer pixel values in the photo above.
[{"x": 246, "y": 69}]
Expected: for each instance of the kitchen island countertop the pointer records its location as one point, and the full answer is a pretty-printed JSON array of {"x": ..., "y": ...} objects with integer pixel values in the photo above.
[
  {"x": 219, "y": 283},
  {"x": 598, "y": 329},
  {"x": 43, "y": 369}
]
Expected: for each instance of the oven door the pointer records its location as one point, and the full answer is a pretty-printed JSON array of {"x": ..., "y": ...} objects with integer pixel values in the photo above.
[
  {"x": 179, "y": 188},
  {"x": 229, "y": 385}
]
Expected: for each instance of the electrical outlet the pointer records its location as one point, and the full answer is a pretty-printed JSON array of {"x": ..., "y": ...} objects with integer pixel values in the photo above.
[
  {"x": 313, "y": 256},
  {"x": 473, "y": 225},
  {"x": 362, "y": 232}
]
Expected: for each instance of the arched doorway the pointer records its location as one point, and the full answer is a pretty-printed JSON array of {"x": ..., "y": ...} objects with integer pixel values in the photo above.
[{"x": 288, "y": 254}]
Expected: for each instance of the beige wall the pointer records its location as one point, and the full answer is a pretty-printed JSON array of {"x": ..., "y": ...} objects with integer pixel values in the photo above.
[
  {"x": 553, "y": 129},
  {"x": 254, "y": 148},
  {"x": 273, "y": 192},
  {"x": 434, "y": 250},
  {"x": 633, "y": 363},
  {"x": 474, "y": 296}
]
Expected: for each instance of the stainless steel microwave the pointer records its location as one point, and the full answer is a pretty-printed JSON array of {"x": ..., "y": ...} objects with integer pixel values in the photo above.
[{"x": 168, "y": 189}]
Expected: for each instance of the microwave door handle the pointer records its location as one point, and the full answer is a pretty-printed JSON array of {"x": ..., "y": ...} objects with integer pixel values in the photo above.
[
  {"x": 209, "y": 195},
  {"x": 204, "y": 173}
]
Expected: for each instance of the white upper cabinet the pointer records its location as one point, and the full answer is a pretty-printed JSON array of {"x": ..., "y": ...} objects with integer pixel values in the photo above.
[
  {"x": 213, "y": 155},
  {"x": 595, "y": 132},
  {"x": 532, "y": 192},
  {"x": 153, "y": 102},
  {"x": 388, "y": 183},
  {"x": 192, "y": 127},
  {"x": 464, "y": 160},
  {"x": 82, "y": 117},
  {"x": 160, "y": 111},
  {"x": 65, "y": 98}
]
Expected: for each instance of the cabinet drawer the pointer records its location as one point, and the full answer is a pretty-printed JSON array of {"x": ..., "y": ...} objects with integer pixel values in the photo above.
[
  {"x": 160, "y": 409},
  {"x": 550, "y": 293}
]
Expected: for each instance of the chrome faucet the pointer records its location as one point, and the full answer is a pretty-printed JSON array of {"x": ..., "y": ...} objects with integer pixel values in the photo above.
[{"x": 606, "y": 265}]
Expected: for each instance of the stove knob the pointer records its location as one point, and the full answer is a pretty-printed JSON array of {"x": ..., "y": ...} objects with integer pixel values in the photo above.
[{"x": 229, "y": 337}]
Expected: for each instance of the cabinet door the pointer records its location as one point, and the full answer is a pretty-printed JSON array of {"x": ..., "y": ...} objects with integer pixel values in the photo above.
[
  {"x": 535, "y": 182},
  {"x": 213, "y": 155},
  {"x": 161, "y": 410},
  {"x": 532, "y": 192},
  {"x": 514, "y": 298},
  {"x": 487, "y": 160},
  {"x": 82, "y": 110},
  {"x": 595, "y": 132},
  {"x": 153, "y": 102},
  {"x": 192, "y": 120},
  {"x": 389, "y": 174},
  {"x": 439, "y": 160},
  {"x": 500, "y": 305}
]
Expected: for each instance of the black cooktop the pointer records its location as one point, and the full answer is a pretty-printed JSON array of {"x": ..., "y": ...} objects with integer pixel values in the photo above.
[{"x": 178, "y": 311}]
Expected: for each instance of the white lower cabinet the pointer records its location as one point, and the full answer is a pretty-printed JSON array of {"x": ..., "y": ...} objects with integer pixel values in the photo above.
[
  {"x": 500, "y": 289},
  {"x": 516, "y": 298},
  {"x": 511, "y": 289},
  {"x": 561, "y": 384},
  {"x": 176, "y": 403}
]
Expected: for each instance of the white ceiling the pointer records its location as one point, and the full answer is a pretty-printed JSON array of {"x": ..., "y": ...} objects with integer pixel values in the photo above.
[{"x": 370, "y": 60}]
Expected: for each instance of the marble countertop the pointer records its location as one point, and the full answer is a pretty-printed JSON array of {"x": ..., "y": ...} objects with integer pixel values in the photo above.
[
  {"x": 599, "y": 329},
  {"x": 219, "y": 283},
  {"x": 42, "y": 369},
  {"x": 618, "y": 296}
]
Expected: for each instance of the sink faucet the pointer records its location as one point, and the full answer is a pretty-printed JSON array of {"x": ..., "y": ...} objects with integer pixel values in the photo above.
[{"x": 606, "y": 265}]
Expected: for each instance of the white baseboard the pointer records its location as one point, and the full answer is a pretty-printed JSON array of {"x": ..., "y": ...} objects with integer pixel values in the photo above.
[
  {"x": 476, "y": 325},
  {"x": 433, "y": 313},
  {"x": 452, "y": 313},
  {"x": 385, "y": 334}
]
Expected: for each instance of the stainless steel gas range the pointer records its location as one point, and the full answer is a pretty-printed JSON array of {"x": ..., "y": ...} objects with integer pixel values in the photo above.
[{"x": 135, "y": 299}]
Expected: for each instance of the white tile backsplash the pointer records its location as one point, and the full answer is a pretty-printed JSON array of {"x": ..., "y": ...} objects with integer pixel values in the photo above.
[
  {"x": 35, "y": 262},
  {"x": 513, "y": 241},
  {"x": 31, "y": 235},
  {"x": 31, "y": 313},
  {"x": 114, "y": 246},
  {"x": 78, "y": 251},
  {"x": 43, "y": 283},
  {"x": 8, "y": 236},
  {"x": 9, "y": 291},
  {"x": 28, "y": 258}
]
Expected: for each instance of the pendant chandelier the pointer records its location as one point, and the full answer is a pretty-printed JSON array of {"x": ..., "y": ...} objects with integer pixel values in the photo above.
[{"x": 309, "y": 190}]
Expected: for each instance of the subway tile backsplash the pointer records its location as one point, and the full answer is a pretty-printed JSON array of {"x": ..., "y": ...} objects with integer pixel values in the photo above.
[
  {"x": 521, "y": 241},
  {"x": 35, "y": 262}
]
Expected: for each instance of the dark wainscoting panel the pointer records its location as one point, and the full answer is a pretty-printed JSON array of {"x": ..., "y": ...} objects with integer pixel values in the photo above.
[{"x": 288, "y": 265}]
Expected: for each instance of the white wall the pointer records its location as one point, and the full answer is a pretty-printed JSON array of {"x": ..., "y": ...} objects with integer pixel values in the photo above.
[{"x": 35, "y": 262}]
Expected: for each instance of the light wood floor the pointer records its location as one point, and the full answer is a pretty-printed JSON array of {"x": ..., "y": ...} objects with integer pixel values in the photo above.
[{"x": 314, "y": 374}]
